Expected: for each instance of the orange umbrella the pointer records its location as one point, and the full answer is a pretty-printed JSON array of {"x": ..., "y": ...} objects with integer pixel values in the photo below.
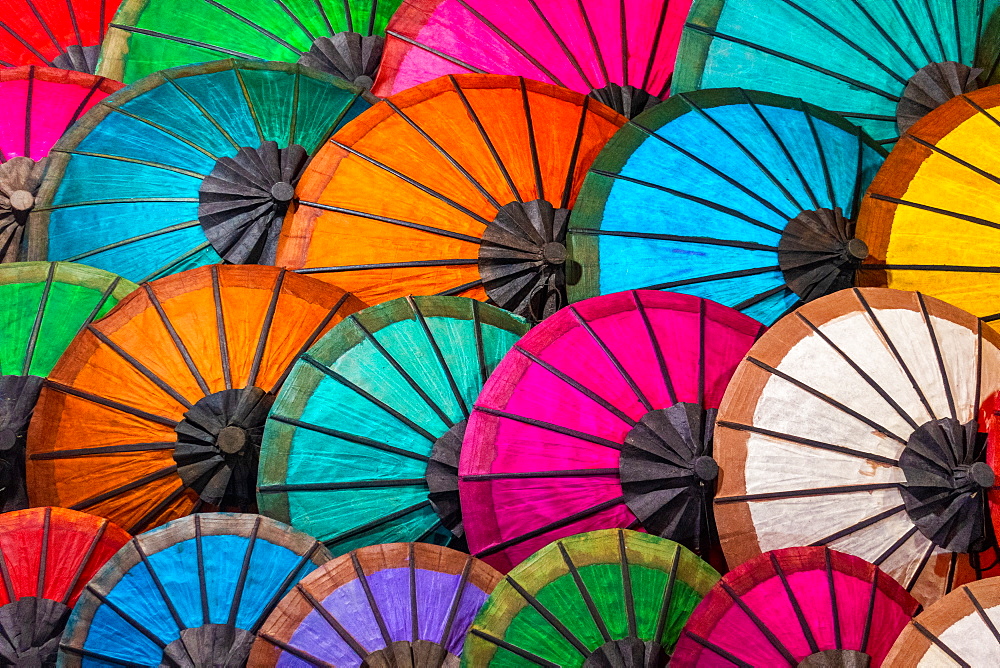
[
  {"x": 460, "y": 186},
  {"x": 158, "y": 409}
]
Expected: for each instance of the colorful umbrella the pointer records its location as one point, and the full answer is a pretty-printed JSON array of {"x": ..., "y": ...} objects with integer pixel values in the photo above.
[
  {"x": 854, "y": 423},
  {"x": 930, "y": 216},
  {"x": 601, "y": 417},
  {"x": 40, "y": 104},
  {"x": 45, "y": 305},
  {"x": 66, "y": 35},
  {"x": 403, "y": 604},
  {"x": 959, "y": 630},
  {"x": 604, "y": 598},
  {"x": 362, "y": 446},
  {"x": 159, "y": 408},
  {"x": 741, "y": 197},
  {"x": 190, "y": 593},
  {"x": 47, "y": 556},
  {"x": 475, "y": 204},
  {"x": 801, "y": 606},
  {"x": 186, "y": 166},
  {"x": 620, "y": 53},
  {"x": 882, "y": 65},
  {"x": 341, "y": 37}
]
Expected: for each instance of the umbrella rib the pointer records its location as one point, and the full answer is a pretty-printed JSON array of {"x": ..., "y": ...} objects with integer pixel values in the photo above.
[
  {"x": 945, "y": 382},
  {"x": 584, "y": 592},
  {"x": 557, "y": 524},
  {"x": 292, "y": 577},
  {"x": 152, "y": 637},
  {"x": 571, "y": 170},
  {"x": 44, "y": 552},
  {"x": 402, "y": 372},
  {"x": 372, "y": 603},
  {"x": 159, "y": 127},
  {"x": 806, "y": 631},
  {"x": 246, "y": 98},
  {"x": 295, "y": 19},
  {"x": 726, "y": 275},
  {"x": 940, "y": 644},
  {"x": 388, "y": 265},
  {"x": 547, "y": 615},
  {"x": 563, "y": 46},
  {"x": 885, "y": 35},
  {"x": 477, "y": 321},
  {"x": 623, "y": 36},
  {"x": 982, "y": 614},
  {"x": 414, "y": 620},
  {"x": 439, "y": 356},
  {"x": 201, "y": 109},
  {"x": 140, "y": 367},
  {"x": 103, "y": 450},
  {"x": 263, "y": 31},
  {"x": 439, "y": 54},
  {"x": 760, "y": 297},
  {"x": 36, "y": 326},
  {"x": 137, "y": 200},
  {"x": 532, "y": 143},
  {"x": 654, "y": 48},
  {"x": 612, "y": 358},
  {"x": 309, "y": 342},
  {"x": 548, "y": 426},
  {"x": 396, "y": 221},
  {"x": 201, "y": 569},
  {"x": 458, "y": 289},
  {"x": 934, "y": 267},
  {"x": 350, "y": 438},
  {"x": 858, "y": 526},
  {"x": 161, "y": 271},
  {"x": 579, "y": 387},
  {"x": 336, "y": 486},
  {"x": 585, "y": 17},
  {"x": 821, "y": 152},
  {"x": 447, "y": 156},
  {"x": 160, "y": 588},
  {"x": 936, "y": 31},
  {"x": 792, "y": 59},
  {"x": 333, "y": 622},
  {"x": 142, "y": 523},
  {"x": 234, "y": 606},
  {"x": 804, "y": 493},
  {"x": 891, "y": 550},
  {"x": 716, "y": 171},
  {"x": 686, "y": 196},
  {"x": 857, "y": 368},
  {"x": 135, "y": 161},
  {"x": 98, "y": 535},
  {"x": 220, "y": 328},
  {"x": 832, "y": 588},
  {"x": 182, "y": 40},
  {"x": 628, "y": 594},
  {"x": 181, "y": 348},
  {"x": 707, "y": 241},
  {"x": 561, "y": 473},
  {"x": 125, "y": 408},
  {"x": 28, "y": 107},
  {"x": 920, "y": 567},
  {"x": 90, "y": 654},
  {"x": 715, "y": 649},
  {"x": 513, "y": 649},
  {"x": 657, "y": 349},
  {"x": 309, "y": 359},
  {"x": 265, "y": 330},
  {"x": 826, "y": 399},
  {"x": 858, "y": 176},
  {"x": 27, "y": 45},
  {"x": 297, "y": 652},
  {"x": 668, "y": 593},
  {"x": 456, "y": 601},
  {"x": 332, "y": 128},
  {"x": 419, "y": 186},
  {"x": 799, "y": 440},
  {"x": 954, "y": 158},
  {"x": 108, "y": 291},
  {"x": 761, "y": 626},
  {"x": 127, "y": 487}
]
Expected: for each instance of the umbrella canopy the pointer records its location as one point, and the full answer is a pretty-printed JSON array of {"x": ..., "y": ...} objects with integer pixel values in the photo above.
[
  {"x": 859, "y": 414},
  {"x": 620, "y": 53},
  {"x": 45, "y": 305},
  {"x": 362, "y": 446},
  {"x": 601, "y": 417},
  {"x": 604, "y": 598},
  {"x": 930, "y": 215},
  {"x": 66, "y": 35},
  {"x": 959, "y": 630},
  {"x": 40, "y": 104},
  {"x": 800, "y": 606},
  {"x": 341, "y": 37},
  {"x": 745, "y": 198},
  {"x": 159, "y": 408},
  {"x": 186, "y": 166},
  {"x": 47, "y": 556},
  {"x": 476, "y": 204},
  {"x": 403, "y": 604},
  {"x": 882, "y": 65},
  {"x": 190, "y": 593}
]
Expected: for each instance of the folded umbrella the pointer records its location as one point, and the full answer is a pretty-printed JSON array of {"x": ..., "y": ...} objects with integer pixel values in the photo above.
[{"x": 66, "y": 35}]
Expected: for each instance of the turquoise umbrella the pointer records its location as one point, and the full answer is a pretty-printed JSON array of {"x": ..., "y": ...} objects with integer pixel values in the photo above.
[
  {"x": 187, "y": 167},
  {"x": 362, "y": 444}
]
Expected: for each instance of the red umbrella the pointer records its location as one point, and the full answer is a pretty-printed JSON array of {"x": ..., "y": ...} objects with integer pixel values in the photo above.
[{"x": 64, "y": 34}]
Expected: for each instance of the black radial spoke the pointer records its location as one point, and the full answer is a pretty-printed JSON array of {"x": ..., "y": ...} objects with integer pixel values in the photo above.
[
  {"x": 940, "y": 644},
  {"x": 892, "y": 549},
  {"x": 982, "y": 614},
  {"x": 122, "y": 489},
  {"x": 439, "y": 356},
  {"x": 655, "y": 344},
  {"x": 560, "y": 473},
  {"x": 178, "y": 343},
  {"x": 801, "y": 440},
  {"x": 548, "y": 426},
  {"x": 439, "y": 54},
  {"x": 393, "y": 221},
  {"x": 790, "y": 593},
  {"x": 333, "y": 622},
  {"x": 514, "y": 649},
  {"x": 933, "y": 209},
  {"x": 105, "y": 450},
  {"x": 804, "y": 493},
  {"x": 705, "y": 241},
  {"x": 715, "y": 649},
  {"x": 140, "y": 367},
  {"x": 375, "y": 524},
  {"x": 181, "y": 40},
  {"x": 858, "y": 526},
  {"x": 385, "y": 483},
  {"x": 581, "y": 587},
  {"x": 547, "y": 615},
  {"x": 612, "y": 358},
  {"x": 350, "y": 438},
  {"x": 39, "y": 316},
  {"x": 220, "y": 326},
  {"x": 124, "y": 408},
  {"x": 98, "y": 535},
  {"x": 945, "y": 382},
  {"x": 265, "y": 330},
  {"x": 721, "y": 276},
  {"x": 761, "y": 626},
  {"x": 308, "y": 343}
]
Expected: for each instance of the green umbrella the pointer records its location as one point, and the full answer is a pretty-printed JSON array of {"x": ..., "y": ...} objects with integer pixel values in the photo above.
[
  {"x": 342, "y": 37},
  {"x": 45, "y": 305}
]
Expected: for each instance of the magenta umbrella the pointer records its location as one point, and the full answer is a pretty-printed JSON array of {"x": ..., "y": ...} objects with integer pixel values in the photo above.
[
  {"x": 602, "y": 417},
  {"x": 620, "y": 51}
]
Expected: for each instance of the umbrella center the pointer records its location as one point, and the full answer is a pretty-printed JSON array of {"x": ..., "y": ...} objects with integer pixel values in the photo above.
[
  {"x": 18, "y": 394},
  {"x": 243, "y": 201},
  {"x": 37, "y": 625},
  {"x": 22, "y": 200},
  {"x": 626, "y": 100},
  {"x": 628, "y": 652},
  {"x": 442, "y": 477},
  {"x": 416, "y": 653},
  {"x": 218, "y": 445},
  {"x": 945, "y": 487},
  {"x": 20, "y": 178},
  {"x": 930, "y": 87},
  {"x": 836, "y": 658},
  {"x": 818, "y": 253},
  {"x": 522, "y": 258},
  {"x": 209, "y": 645},
  {"x": 347, "y": 55},
  {"x": 78, "y": 58}
]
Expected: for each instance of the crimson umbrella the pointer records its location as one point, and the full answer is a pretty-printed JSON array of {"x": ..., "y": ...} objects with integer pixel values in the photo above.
[
  {"x": 64, "y": 34},
  {"x": 600, "y": 417}
]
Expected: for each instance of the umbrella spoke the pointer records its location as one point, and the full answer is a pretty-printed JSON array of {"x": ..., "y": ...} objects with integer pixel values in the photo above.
[
  {"x": 352, "y": 438},
  {"x": 376, "y": 523},
  {"x": 140, "y": 237},
  {"x": 263, "y": 31},
  {"x": 159, "y": 586},
  {"x": 707, "y": 241},
  {"x": 311, "y": 340},
  {"x": 90, "y": 654},
  {"x": 668, "y": 593},
  {"x": 436, "y": 52},
  {"x": 559, "y": 473},
  {"x": 220, "y": 328},
  {"x": 372, "y": 603},
  {"x": 39, "y": 315},
  {"x": 336, "y": 486},
  {"x": 612, "y": 358},
  {"x": 104, "y": 450},
  {"x": 88, "y": 554},
  {"x": 945, "y": 382},
  {"x": 721, "y": 276},
  {"x": 952, "y": 654},
  {"x": 124, "y": 408},
  {"x": 332, "y": 621},
  {"x": 758, "y": 298},
  {"x": 951, "y": 156},
  {"x": 912, "y": 582},
  {"x": 581, "y": 587},
  {"x": 548, "y": 426},
  {"x": 803, "y": 624},
  {"x": 657, "y": 349},
  {"x": 27, "y": 45},
  {"x": 547, "y": 615},
  {"x": 127, "y": 618},
  {"x": 459, "y": 289},
  {"x": 759, "y": 623},
  {"x": 234, "y": 606},
  {"x": 140, "y": 367},
  {"x": 178, "y": 343},
  {"x": 718, "y": 651},
  {"x": 442, "y": 363},
  {"x": 803, "y": 493},
  {"x": 571, "y": 170},
  {"x": 134, "y": 161},
  {"x": 394, "y": 221},
  {"x": 162, "y": 129},
  {"x": 456, "y": 600},
  {"x": 143, "y": 522},
  {"x": 297, "y": 652},
  {"x": 265, "y": 330},
  {"x": 182, "y": 40},
  {"x": 514, "y": 649},
  {"x": 122, "y": 489},
  {"x": 858, "y": 526},
  {"x": 987, "y": 621},
  {"x": 892, "y": 549}
]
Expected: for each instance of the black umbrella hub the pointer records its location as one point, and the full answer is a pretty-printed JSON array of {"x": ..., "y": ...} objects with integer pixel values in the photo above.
[
  {"x": 419, "y": 653},
  {"x": 78, "y": 58},
  {"x": 348, "y": 55},
  {"x": 626, "y": 100},
  {"x": 20, "y": 178},
  {"x": 18, "y": 396},
  {"x": 630, "y": 652},
  {"x": 30, "y": 630},
  {"x": 818, "y": 253},
  {"x": 442, "y": 478},
  {"x": 220, "y": 645},
  {"x": 836, "y": 658},
  {"x": 930, "y": 87}
]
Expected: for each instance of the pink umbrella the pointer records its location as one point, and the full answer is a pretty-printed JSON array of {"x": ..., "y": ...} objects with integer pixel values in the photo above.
[
  {"x": 620, "y": 51},
  {"x": 602, "y": 417}
]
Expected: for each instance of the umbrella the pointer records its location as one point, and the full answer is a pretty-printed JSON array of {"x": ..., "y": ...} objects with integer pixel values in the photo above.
[
  {"x": 45, "y": 305},
  {"x": 620, "y": 53},
  {"x": 456, "y": 186},
  {"x": 853, "y": 423},
  {"x": 800, "y": 606},
  {"x": 929, "y": 217},
  {"x": 882, "y": 65},
  {"x": 403, "y": 604},
  {"x": 741, "y": 197},
  {"x": 190, "y": 593},
  {"x": 47, "y": 556},
  {"x": 186, "y": 166},
  {"x": 362, "y": 446},
  {"x": 959, "y": 630},
  {"x": 66, "y": 35},
  {"x": 40, "y": 104},
  {"x": 341, "y": 37},
  {"x": 159, "y": 408},
  {"x": 604, "y": 598},
  {"x": 602, "y": 417}
]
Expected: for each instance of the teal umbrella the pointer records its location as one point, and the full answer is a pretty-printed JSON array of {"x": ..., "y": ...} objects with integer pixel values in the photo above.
[
  {"x": 187, "y": 167},
  {"x": 362, "y": 444}
]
